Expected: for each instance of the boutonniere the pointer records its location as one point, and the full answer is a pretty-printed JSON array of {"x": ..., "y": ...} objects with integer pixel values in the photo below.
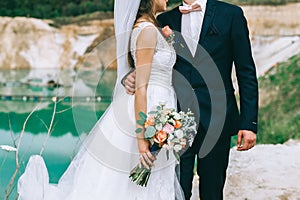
[{"x": 169, "y": 34}]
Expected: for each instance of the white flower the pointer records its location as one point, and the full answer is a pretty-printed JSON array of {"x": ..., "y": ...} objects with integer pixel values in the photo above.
[
  {"x": 179, "y": 134},
  {"x": 158, "y": 126},
  {"x": 8, "y": 148},
  {"x": 194, "y": 127},
  {"x": 171, "y": 136},
  {"x": 177, "y": 147},
  {"x": 164, "y": 112},
  {"x": 163, "y": 119},
  {"x": 176, "y": 116}
]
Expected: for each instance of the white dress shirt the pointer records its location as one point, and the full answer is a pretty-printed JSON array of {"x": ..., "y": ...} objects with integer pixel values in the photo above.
[{"x": 191, "y": 25}]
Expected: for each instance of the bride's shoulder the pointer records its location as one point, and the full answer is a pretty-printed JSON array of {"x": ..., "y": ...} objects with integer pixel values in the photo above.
[
  {"x": 144, "y": 25},
  {"x": 145, "y": 30}
]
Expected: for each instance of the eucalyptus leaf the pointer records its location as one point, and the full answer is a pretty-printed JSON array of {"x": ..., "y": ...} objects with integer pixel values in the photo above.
[
  {"x": 152, "y": 112},
  {"x": 150, "y": 132},
  {"x": 143, "y": 116},
  {"x": 138, "y": 130},
  {"x": 140, "y": 122}
]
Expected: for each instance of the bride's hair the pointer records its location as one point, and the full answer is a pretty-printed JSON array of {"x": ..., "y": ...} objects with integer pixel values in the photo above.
[{"x": 145, "y": 8}]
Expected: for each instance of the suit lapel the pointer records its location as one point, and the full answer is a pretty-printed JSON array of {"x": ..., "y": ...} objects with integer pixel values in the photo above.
[
  {"x": 209, "y": 13},
  {"x": 177, "y": 19}
]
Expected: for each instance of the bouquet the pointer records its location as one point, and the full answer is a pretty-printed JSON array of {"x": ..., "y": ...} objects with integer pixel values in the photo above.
[{"x": 164, "y": 128}]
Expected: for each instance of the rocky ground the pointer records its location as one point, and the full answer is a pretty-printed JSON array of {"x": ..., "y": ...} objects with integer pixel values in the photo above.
[{"x": 267, "y": 172}]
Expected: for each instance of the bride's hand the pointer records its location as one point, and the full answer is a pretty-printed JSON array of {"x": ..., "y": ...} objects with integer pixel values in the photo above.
[{"x": 146, "y": 158}]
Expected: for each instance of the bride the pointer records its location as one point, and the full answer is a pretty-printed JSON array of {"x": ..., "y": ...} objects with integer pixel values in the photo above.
[{"x": 101, "y": 168}]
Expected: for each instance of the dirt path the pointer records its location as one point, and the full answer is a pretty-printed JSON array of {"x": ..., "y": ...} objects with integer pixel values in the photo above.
[{"x": 267, "y": 172}]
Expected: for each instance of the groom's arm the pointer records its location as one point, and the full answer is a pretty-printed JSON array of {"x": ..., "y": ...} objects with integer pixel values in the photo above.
[{"x": 247, "y": 81}]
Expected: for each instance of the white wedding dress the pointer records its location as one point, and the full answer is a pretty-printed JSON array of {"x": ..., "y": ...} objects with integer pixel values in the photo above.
[{"x": 101, "y": 168}]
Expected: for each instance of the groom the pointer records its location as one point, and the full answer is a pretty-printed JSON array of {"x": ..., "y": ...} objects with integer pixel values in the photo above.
[{"x": 216, "y": 31}]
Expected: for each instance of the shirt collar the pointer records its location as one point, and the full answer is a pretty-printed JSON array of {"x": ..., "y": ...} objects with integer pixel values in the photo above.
[{"x": 201, "y": 2}]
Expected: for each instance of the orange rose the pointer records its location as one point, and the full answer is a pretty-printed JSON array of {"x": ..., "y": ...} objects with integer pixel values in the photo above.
[
  {"x": 160, "y": 137},
  {"x": 150, "y": 122},
  {"x": 178, "y": 124}
]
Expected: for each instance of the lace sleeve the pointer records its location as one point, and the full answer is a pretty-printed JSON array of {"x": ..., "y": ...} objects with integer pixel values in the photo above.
[{"x": 145, "y": 45}]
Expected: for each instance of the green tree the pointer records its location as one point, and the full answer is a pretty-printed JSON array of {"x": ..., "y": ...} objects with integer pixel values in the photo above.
[{"x": 71, "y": 9}]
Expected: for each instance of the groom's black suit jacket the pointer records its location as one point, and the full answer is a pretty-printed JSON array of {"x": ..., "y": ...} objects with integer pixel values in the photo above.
[{"x": 224, "y": 40}]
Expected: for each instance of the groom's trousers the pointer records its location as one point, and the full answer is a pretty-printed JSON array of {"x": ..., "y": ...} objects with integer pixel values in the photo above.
[{"x": 211, "y": 170}]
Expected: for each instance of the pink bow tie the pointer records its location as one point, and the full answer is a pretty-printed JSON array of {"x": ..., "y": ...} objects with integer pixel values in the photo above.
[{"x": 192, "y": 8}]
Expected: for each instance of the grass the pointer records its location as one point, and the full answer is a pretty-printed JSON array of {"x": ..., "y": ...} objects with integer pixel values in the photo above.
[
  {"x": 82, "y": 19},
  {"x": 279, "y": 113},
  {"x": 279, "y": 118}
]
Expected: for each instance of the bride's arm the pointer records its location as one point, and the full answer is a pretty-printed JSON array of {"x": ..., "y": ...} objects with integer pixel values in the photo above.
[{"x": 145, "y": 48}]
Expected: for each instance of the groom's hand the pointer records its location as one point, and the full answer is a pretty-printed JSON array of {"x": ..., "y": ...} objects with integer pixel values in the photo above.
[
  {"x": 246, "y": 140},
  {"x": 129, "y": 83}
]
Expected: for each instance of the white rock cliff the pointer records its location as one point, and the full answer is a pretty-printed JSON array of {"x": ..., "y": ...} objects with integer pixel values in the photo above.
[{"x": 33, "y": 43}]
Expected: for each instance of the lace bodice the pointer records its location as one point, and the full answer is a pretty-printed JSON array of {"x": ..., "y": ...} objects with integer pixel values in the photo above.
[{"x": 164, "y": 56}]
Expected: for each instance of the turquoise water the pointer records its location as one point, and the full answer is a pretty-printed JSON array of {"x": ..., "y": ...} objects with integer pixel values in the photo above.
[{"x": 78, "y": 102}]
